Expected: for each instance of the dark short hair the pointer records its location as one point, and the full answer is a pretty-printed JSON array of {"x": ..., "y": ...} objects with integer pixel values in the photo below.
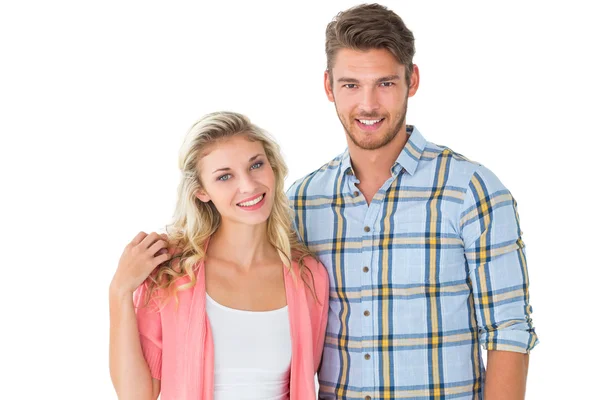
[{"x": 370, "y": 26}]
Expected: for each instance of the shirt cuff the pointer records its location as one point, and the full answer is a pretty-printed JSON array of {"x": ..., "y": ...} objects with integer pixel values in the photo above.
[{"x": 509, "y": 340}]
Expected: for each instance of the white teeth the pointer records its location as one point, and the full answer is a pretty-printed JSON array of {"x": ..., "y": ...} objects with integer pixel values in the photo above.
[
  {"x": 369, "y": 121},
  {"x": 251, "y": 202}
]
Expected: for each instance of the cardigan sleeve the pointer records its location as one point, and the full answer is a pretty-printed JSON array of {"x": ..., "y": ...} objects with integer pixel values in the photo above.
[{"x": 150, "y": 328}]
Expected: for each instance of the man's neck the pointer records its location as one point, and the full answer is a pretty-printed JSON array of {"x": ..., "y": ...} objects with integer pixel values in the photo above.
[{"x": 372, "y": 167}]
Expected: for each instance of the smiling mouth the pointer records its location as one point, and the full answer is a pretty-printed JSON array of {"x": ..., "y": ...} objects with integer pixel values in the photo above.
[
  {"x": 370, "y": 122},
  {"x": 252, "y": 202}
]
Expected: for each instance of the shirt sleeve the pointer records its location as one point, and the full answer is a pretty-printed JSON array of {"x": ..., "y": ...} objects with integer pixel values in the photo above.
[
  {"x": 495, "y": 254},
  {"x": 150, "y": 328},
  {"x": 324, "y": 299},
  {"x": 291, "y": 195}
]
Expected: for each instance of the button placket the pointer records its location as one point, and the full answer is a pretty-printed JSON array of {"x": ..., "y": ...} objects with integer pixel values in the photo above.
[{"x": 368, "y": 275}]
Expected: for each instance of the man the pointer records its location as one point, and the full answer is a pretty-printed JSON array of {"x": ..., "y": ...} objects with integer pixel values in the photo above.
[{"x": 423, "y": 246}]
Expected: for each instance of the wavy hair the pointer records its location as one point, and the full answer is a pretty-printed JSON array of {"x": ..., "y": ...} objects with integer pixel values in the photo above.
[{"x": 195, "y": 221}]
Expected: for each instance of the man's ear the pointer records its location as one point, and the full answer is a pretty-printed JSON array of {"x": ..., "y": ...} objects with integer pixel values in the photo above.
[
  {"x": 414, "y": 81},
  {"x": 327, "y": 85}
]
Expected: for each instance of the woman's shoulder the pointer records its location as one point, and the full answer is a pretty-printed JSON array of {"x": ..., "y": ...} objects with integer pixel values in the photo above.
[
  {"x": 314, "y": 265},
  {"x": 317, "y": 272}
]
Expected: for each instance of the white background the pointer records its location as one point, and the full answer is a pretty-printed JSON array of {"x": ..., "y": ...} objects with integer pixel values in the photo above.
[{"x": 95, "y": 98}]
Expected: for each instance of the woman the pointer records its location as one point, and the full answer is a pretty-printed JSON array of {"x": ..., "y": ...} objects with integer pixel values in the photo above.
[{"x": 228, "y": 304}]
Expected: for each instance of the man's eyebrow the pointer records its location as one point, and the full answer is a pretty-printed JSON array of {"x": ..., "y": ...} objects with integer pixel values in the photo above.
[
  {"x": 347, "y": 80},
  {"x": 382, "y": 79},
  {"x": 388, "y": 78}
]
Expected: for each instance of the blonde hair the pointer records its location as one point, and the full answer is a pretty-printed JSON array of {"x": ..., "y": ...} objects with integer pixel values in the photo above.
[{"x": 195, "y": 221}]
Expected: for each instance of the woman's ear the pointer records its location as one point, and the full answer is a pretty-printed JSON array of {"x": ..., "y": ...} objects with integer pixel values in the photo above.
[{"x": 202, "y": 195}]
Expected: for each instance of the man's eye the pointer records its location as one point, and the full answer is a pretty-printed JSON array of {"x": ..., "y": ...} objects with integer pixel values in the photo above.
[
  {"x": 257, "y": 165},
  {"x": 350, "y": 85},
  {"x": 224, "y": 177},
  {"x": 387, "y": 84}
]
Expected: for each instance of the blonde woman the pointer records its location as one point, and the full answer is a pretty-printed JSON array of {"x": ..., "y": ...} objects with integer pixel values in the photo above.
[{"x": 228, "y": 304}]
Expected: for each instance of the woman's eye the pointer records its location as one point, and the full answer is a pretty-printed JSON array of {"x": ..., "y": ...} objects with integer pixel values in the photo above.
[
  {"x": 224, "y": 177},
  {"x": 257, "y": 165}
]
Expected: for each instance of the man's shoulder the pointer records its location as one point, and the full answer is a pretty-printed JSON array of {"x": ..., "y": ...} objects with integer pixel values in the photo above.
[
  {"x": 319, "y": 182},
  {"x": 461, "y": 167},
  {"x": 433, "y": 151},
  {"x": 464, "y": 172}
]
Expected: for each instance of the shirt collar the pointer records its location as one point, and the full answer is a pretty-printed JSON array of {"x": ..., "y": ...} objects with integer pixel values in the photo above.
[
  {"x": 408, "y": 159},
  {"x": 413, "y": 149},
  {"x": 345, "y": 163}
]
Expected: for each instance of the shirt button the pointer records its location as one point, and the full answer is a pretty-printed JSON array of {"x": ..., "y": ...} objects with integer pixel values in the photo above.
[
  {"x": 367, "y": 229},
  {"x": 356, "y": 193},
  {"x": 367, "y": 356},
  {"x": 367, "y": 397},
  {"x": 367, "y": 313},
  {"x": 365, "y": 269}
]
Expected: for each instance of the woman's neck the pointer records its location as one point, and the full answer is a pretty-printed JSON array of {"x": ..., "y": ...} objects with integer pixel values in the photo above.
[{"x": 241, "y": 244}]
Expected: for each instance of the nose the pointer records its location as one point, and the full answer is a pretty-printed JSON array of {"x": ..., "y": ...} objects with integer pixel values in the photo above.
[
  {"x": 247, "y": 184},
  {"x": 369, "y": 103}
]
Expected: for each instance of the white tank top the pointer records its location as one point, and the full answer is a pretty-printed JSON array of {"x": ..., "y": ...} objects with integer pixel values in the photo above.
[{"x": 253, "y": 352}]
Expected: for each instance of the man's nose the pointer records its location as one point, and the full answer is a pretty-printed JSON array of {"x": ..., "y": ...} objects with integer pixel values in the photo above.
[{"x": 369, "y": 101}]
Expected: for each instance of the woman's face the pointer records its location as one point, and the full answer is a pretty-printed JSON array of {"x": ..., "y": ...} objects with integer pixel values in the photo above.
[{"x": 237, "y": 177}]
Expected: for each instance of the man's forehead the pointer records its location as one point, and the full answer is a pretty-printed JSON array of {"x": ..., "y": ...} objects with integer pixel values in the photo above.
[{"x": 370, "y": 64}]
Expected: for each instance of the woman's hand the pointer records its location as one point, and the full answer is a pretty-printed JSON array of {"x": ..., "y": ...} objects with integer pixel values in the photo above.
[{"x": 139, "y": 259}]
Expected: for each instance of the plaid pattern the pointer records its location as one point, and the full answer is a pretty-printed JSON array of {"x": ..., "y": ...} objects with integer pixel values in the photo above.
[{"x": 422, "y": 279}]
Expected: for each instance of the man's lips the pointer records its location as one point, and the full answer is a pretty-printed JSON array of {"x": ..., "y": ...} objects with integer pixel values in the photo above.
[{"x": 369, "y": 124}]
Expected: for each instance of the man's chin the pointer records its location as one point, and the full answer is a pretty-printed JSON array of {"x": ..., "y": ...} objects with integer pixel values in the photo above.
[{"x": 368, "y": 140}]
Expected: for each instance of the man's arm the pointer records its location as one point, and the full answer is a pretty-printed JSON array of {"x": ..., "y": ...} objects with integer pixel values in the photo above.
[
  {"x": 506, "y": 375},
  {"x": 498, "y": 276}
]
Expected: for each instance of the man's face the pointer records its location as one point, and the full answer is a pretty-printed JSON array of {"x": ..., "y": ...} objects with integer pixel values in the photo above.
[{"x": 370, "y": 93}]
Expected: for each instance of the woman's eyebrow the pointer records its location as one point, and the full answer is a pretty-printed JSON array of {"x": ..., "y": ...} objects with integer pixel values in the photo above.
[{"x": 228, "y": 169}]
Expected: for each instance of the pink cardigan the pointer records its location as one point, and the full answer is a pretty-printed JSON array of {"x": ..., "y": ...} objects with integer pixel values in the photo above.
[{"x": 178, "y": 345}]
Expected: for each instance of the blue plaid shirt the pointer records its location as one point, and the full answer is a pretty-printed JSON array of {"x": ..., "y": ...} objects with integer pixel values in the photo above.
[{"x": 425, "y": 276}]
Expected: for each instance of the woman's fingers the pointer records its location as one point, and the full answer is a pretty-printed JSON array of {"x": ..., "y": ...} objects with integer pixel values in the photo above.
[
  {"x": 138, "y": 238},
  {"x": 160, "y": 259},
  {"x": 140, "y": 258},
  {"x": 149, "y": 240},
  {"x": 157, "y": 246}
]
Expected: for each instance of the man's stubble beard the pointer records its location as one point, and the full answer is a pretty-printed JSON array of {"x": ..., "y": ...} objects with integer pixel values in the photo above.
[{"x": 389, "y": 136}]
